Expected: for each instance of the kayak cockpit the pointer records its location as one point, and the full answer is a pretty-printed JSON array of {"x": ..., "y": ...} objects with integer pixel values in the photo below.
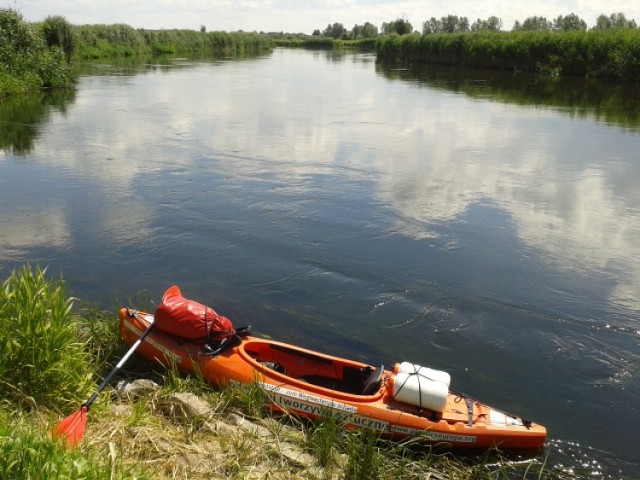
[{"x": 297, "y": 365}]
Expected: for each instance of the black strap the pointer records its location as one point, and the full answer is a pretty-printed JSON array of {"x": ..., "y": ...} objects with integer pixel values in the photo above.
[
  {"x": 469, "y": 402},
  {"x": 229, "y": 342},
  {"x": 243, "y": 331}
]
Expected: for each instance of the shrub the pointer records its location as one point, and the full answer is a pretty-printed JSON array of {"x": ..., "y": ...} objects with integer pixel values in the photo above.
[
  {"x": 26, "y": 64},
  {"x": 57, "y": 32}
]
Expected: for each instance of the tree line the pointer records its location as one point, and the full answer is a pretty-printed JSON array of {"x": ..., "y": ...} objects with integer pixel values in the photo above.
[{"x": 455, "y": 24}]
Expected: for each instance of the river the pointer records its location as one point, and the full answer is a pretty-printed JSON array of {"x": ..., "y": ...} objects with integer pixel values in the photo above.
[{"x": 480, "y": 223}]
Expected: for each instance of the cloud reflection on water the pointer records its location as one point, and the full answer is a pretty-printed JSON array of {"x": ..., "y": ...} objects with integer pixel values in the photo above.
[
  {"x": 27, "y": 228},
  {"x": 429, "y": 155}
]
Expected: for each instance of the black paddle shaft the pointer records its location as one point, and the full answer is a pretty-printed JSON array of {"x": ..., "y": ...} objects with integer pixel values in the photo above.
[{"x": 122, "y": 361}]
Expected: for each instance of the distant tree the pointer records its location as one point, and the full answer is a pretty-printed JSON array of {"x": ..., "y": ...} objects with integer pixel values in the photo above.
[
  {"x": 448, "y": 24},
  {"x": 570, "y": 23},
  {"x": 203, "y": 29},
  {"x": 602, "y": 23},
  {"x": 534, "y": 24},
  {"x": 431, "y": 26},
  {"x": 316, "y": 33},
  {"x": 455, "y": 24},
  {"x": 618, "y": 20},
  {"x": 491, "y": 24},
  {"x": 335, "y": 31},
  {"x": 615, "y": 20},
  {"x": 368, "y": 30},
  {"x": 401, "y": 26}
]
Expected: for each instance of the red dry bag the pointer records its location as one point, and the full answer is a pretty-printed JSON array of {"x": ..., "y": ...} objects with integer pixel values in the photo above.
[{"x": 185, "y": 318}]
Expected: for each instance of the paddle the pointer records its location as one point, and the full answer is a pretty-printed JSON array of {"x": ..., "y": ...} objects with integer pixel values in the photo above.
[{"x": 71, "y": 429}]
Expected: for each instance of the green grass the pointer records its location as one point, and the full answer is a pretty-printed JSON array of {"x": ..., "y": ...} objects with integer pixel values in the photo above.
[
  {"x": 43, "y": 363},
  {"x": 26, "y": 452},
  {"x": 365, "y": 458},
  {"x": 321, "y": 438},
  {"x": 250, "y": 399},
  {"x": 362, "y": 454}
]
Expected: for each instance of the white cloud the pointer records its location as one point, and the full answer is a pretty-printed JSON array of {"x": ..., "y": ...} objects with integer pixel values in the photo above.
[{"x": 295, "y": 16}]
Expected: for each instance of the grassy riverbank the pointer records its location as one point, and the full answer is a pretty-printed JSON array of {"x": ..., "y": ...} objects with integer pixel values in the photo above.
[
  {"x": 323, "y": 43},
  {"x": 101, "y": 41},
  {"x": 608, "y": 54},
  {"x": 37, "y": 56},
  {"x": 54, "y": 354}
]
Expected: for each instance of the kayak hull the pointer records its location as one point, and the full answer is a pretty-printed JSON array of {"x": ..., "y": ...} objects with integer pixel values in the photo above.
[{"x": 317, "y": 385}]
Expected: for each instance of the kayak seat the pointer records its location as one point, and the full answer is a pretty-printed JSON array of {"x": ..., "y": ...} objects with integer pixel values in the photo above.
[
  {"x": 275, "y": 366},
  {"x": 321, "y": 381},
  {"x": 373, "y": 382},
  {"x": 352, "y": 380}
]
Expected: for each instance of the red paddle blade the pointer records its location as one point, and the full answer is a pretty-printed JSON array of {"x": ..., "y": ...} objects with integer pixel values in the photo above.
[{"x": 71, "y": 429}]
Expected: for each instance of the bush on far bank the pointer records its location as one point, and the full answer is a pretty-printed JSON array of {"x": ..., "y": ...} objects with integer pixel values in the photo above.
[{"x": 27, "y": 63}]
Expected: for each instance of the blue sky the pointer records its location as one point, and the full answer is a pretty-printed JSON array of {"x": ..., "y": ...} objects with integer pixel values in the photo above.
[{"x": 294, "y": 16}]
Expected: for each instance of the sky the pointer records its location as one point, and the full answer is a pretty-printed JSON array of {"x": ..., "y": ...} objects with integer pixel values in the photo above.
[{"x": 297, "y": 16}]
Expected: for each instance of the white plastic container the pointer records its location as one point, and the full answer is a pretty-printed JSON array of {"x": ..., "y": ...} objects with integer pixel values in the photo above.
[
  {"x": 429, "y": 373},
  {"x": 419, "y": 391}
]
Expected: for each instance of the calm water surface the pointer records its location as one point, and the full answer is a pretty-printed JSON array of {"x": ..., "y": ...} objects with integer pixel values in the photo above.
[{"x": 486, "y": 226}]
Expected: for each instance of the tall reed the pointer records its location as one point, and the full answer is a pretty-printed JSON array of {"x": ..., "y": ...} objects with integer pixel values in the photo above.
[
  {"x": 610, "y": 54},
  {"x": 96, "y": 41},
  {"x": 43, "y": 363}
]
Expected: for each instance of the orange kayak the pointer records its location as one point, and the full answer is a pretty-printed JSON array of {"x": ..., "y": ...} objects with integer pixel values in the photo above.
[{"x": 399, "y": 403}]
